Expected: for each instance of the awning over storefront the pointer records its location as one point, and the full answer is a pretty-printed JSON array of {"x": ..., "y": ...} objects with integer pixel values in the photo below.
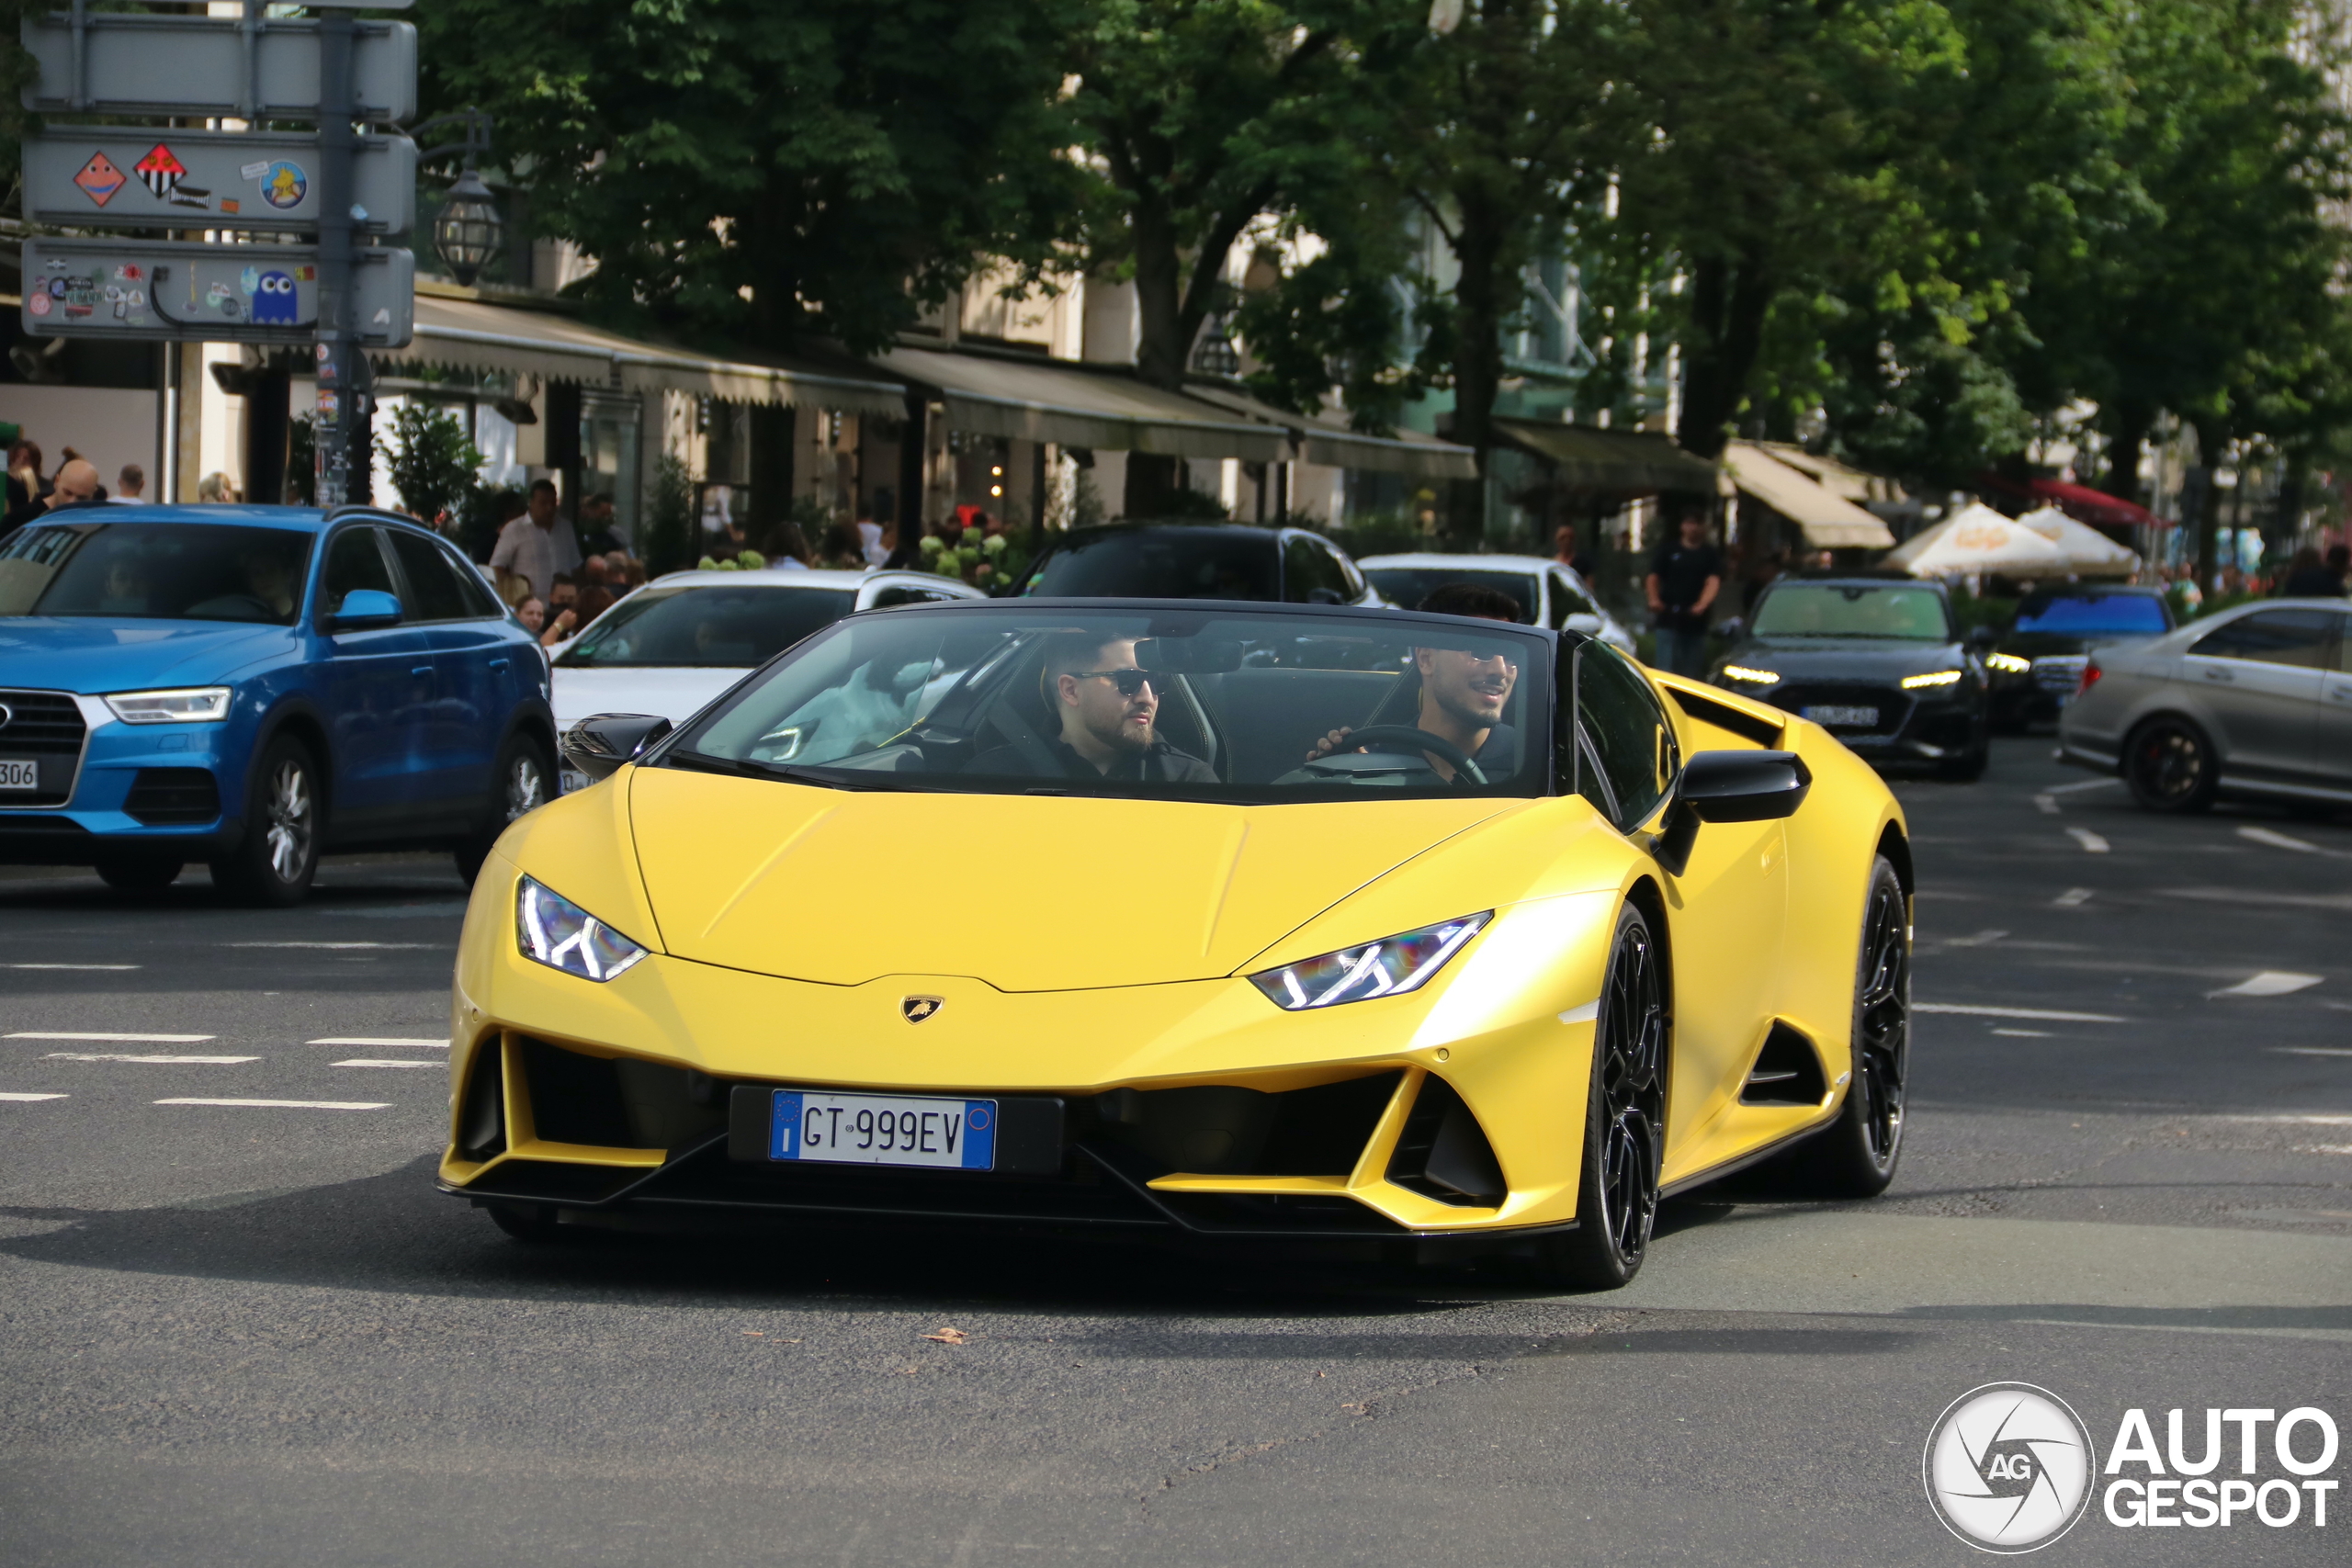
[
  {"x": 1078, "y": 405},
  {"x": 1829, "y": 522},
  {"x": 1331, "y": 443},
  {"x": 466, "y": 335},
  {"x": 1627, "y": 462}
]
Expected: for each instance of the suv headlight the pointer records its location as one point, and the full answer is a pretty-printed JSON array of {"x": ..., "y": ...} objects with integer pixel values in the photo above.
[
  {"x": 1926, "y": 683},
  {"x": 2008, "y": 664},
  {"x": 1384, "y": 968},
  {"x": 552, "y": 930},
  {"x": 182, "y": 704}
]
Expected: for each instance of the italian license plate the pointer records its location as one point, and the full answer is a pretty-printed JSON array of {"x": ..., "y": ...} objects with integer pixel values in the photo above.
[
  {"x": 883, "y": 1129},
  {"x": 1843, "y": 717},
  {"x": 15, "y": 773}
]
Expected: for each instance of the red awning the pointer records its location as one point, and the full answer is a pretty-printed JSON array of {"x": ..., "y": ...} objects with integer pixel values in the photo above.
[{"x": 2080, "y": 502}]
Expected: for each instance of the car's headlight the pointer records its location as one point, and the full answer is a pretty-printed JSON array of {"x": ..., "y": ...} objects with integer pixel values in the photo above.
[
  {"x": 1383, "y": 968},
  {"x": 1754, "y": 677},
  {"x": 553, "y": 930},
  {"x": 1922, "y": 682},
  {"x": 2008, "y": 664},
  {"x": 183, "y": 704}
]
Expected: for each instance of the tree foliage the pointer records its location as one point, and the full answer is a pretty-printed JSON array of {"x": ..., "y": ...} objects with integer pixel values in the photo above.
[{"x": 433, "y": 462}]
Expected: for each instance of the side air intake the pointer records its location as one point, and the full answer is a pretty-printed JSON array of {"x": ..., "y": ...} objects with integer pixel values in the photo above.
[
  {"x": 1787, "y": 1072},
  {"x": 1443, "y": 1154}
]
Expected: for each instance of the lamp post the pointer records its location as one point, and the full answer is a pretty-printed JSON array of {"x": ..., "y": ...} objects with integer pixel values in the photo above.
[{"x": 469, "y": 231}]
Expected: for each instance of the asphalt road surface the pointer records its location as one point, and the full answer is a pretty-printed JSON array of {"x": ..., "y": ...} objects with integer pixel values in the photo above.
[{"x": 248, "y": 1334}]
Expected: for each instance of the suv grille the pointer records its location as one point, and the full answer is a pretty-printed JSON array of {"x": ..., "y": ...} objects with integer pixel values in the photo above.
[{"x": 44, "y": 726}]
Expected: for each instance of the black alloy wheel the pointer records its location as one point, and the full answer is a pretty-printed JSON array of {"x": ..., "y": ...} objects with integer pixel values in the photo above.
[
  {"x": 1625, "y": 1134},
  {"x": 1856, "y": 1155},
  {"x": 525, "y": 782},
  {"x": 2171, "y": 766},
  {"x": 139, "y": 874},
  {"x": 273, "y": 864}
]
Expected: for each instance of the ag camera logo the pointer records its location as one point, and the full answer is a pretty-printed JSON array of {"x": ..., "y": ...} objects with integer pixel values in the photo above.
[{"x": 2009, "y": 1467}]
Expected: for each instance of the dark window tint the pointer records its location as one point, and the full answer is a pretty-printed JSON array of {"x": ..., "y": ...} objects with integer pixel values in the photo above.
[
  {"x": 727, "y": 627},
  {"x": 192, "y": 572},
  {"x": 1311, "y": 573},
  {"x": 439, "y": 595},
  {"x": 1208, "y": 563},
  {"x": 1626, "y": 734},
  {"x": 889, "y": 597},
  {"x": 353, "y": 562},
  {"x": 2274, "y": 637},
  {"x": 1406, "y": 586},
  {"x": 1567, "y": 599}
]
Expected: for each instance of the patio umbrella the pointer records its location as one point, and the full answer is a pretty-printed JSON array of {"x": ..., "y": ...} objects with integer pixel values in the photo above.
[
  {"x": 2089, "y": 552},
  {"x": 1978, "y": 541}
]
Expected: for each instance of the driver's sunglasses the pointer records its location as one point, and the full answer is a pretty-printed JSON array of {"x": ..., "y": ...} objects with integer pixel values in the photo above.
[{"x": 1130, "y": 682}]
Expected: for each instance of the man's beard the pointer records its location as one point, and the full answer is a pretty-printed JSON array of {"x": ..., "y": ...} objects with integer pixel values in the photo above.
[
  {"x": 1457, "y": 704},
  {"x": 1122, "y": 736}
]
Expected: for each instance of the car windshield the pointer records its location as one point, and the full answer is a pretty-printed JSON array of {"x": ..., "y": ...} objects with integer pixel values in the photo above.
[
  {"x": 720, "y": 625},
  {"x": 155, "y": 571},
  {"x": 1853, "y": 609},
  {"x": 1406, "y": 586},
  {"x": 2081, "y": 614},
  {"x": 1195, "y": 705},
  {"x": 1161, "y": 563}
]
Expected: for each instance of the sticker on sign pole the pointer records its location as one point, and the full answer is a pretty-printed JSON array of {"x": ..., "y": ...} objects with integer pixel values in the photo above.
[
  {"x": 283, "y": 185},
  {"x": 162, "y": 172},
  {"x": 99, "y": 178}
]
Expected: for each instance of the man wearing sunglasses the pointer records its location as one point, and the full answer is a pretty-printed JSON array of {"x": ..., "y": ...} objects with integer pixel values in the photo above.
[
  {"x": 1108, "y": 710},
  {"x": 1462, "y": 694}
]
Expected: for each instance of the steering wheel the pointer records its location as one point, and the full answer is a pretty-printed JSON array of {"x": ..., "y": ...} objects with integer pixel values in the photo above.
[{"x": 1371, "y": 735}]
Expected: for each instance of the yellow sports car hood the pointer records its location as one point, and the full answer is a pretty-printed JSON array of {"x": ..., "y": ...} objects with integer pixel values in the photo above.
[{"x": 1027, "y": 893}]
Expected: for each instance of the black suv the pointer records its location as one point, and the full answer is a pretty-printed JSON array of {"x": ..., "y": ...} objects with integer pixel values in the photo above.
[{"x": 1197, "y": 560}]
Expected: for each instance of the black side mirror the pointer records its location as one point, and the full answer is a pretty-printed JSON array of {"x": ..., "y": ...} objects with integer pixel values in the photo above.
[
  {"x": 600, "y": 743},
  {"x": 1729, "y": 786},
  {"x": 1732, "y": 629}
]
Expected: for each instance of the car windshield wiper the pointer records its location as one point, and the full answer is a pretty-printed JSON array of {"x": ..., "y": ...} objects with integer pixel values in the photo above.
[{"x": 703, "y": 762}]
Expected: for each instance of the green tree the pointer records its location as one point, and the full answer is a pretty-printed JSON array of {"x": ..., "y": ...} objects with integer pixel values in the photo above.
[{"x": 434, "y": 464}]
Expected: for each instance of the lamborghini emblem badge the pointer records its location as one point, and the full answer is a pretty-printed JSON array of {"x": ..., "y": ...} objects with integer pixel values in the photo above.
[{"x": 916, "y": 1008}]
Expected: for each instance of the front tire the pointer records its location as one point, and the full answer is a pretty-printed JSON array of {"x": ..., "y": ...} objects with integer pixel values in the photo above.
[
  {"x": 524, "y": 782},
  {"x": 279, "y": 854},
  {"x": 1855, "y": 1156},
  {"x": 139, "y": 874},
  {"x": 2170, "y": 765},
  {"x": 1625, "y": 1129}
]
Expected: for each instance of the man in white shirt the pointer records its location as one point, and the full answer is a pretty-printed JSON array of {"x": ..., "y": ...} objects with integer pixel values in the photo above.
[
  {"x": 127, "y": 485},
  {"x": 538, "y": 544}
]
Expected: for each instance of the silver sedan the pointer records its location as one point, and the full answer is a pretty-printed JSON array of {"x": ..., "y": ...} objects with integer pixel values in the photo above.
[{"x": 2254, "y": 701}]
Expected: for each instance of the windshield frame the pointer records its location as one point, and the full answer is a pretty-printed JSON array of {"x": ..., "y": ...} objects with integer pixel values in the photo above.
[
  {"x": 677, "y": 749},
  {"x": 1843, "y": 585}
]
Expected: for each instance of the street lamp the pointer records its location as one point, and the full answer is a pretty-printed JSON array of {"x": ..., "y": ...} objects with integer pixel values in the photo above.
[{"x": 470, "y": 230}]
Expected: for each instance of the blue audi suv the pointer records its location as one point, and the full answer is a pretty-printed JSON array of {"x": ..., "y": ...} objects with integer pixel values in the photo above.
[{"x": 252, "y": 685}]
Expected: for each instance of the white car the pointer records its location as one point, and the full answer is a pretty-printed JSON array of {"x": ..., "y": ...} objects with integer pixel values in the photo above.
[
  {"x": 1549, "y": 593},
  {"x": 672, "y": 646}
]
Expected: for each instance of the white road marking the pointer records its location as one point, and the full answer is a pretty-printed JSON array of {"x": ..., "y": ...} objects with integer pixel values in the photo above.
[
  {"x": 2043, "y": 1013},
  {"x": 24, "y": 1097},
  {"x": 2308, "y": 1050},
  {"x": 2283, "y": 900},
  {"x": 293, "y": 1104},
  {"x": 114, "y": 1039},
  {"x": 2084, "y": 784},
  {"x": 342, "y": 946},
  {"x": 383, "y": 1062},
  {"x": 2092, "y": 843},
  {"x": 2046, "y": 803},
  {"x": 2270, "y": 983},
  {"x": 377, "y": 1040},
  {"x": 110, "y": 968},
  {"x": 2025, "y": 1033},
  {"x": 1980, "y": 940},
  {"x": 2280, "y": 841},
  {"x": 2293, "y": 1121},
  {"x": 2072, "y": 899},
  {"x": 173, "y": 1060}
]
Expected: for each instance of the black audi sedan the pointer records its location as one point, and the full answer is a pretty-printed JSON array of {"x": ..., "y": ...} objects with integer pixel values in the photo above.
[
  {"x": 1879, "y": 662},
  {"x": 2038, "y": 667}
]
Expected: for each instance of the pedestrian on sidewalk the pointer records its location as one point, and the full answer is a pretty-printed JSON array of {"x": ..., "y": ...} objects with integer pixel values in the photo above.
[
  {"x": 1684, "y": 577},
  {"x": 530, "y": 548},
  {"x": 129, "y": 486},
  {"x": 26, "y": 488},
  {"x": 77, "y": 485}
]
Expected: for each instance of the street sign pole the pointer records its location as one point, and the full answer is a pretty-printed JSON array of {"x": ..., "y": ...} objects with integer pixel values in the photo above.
[{"x": 342, "y": 422}]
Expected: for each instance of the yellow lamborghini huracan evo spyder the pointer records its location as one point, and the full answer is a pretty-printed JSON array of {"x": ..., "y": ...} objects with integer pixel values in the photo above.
[{"x": 1292, "y": 923}]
